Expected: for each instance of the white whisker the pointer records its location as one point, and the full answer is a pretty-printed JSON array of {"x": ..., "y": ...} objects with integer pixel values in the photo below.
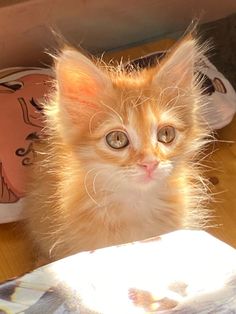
[
  {"x": 86, "y": 188},
  {"x": 91, "y": 120},
  {"x": 94, "y": 181},
  {"x": 115, "y": 112}
]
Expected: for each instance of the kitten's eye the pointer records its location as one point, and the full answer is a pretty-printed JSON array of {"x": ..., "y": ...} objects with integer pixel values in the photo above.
[
  {"x": 117, "y": 139},
  {"x": 166, "y": 134}
]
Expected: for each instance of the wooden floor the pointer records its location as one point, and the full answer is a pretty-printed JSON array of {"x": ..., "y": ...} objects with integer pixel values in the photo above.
[
  {"x": 16, "y": 252},
  {"x": 224, "y": 162}
]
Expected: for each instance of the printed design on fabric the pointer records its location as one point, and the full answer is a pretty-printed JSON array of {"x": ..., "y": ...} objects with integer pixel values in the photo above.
[
  {"x": 219, "y": 86},
  {"x": 21, "y": 93},
  {"x": 211, "y": 86}
]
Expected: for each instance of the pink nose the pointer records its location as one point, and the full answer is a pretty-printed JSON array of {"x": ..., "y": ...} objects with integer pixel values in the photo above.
[{"x": 148, "y": 166}]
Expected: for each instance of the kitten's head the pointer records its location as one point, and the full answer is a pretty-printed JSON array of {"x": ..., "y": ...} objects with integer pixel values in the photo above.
[{"x": 133, "y": 129}]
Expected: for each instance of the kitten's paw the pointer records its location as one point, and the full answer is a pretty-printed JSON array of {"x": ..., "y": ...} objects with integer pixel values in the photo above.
[
  {"x": 140, "y": 297},
  {"x": 150, "y": 302}
]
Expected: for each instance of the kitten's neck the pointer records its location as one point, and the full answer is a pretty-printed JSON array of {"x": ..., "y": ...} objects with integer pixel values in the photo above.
[{"x": 135, "y": 200}]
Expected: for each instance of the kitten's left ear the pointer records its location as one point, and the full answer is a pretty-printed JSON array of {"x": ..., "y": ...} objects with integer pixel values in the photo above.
[
  {"x": 81, "y": 84},
  {"x": 178, "y": 66}
]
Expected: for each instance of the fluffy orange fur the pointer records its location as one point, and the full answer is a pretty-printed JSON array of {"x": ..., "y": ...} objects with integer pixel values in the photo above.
[{"x": 84, "y": 194}]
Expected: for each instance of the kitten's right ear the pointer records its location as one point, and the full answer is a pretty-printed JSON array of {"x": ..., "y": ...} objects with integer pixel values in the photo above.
[
  {"x": 81, "y": 84},
  {"x": 178, "y": 66}
]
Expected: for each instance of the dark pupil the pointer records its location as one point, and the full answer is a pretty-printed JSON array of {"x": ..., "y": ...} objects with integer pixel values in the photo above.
[{"x": 166, "y": 133}]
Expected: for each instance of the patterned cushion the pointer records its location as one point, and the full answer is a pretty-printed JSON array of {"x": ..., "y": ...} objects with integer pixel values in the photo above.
[{"x": 21, "y": 90}]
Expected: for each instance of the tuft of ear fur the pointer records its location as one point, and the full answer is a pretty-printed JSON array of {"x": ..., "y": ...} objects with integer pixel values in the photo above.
[
  {"x": 81, "y": 84},
  {"x": 178, "y": 67}
]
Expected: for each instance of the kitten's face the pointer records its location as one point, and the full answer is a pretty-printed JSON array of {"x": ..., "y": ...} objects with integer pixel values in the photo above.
[
  {"x": 141, "y": 155},
  {"x": 131, "y": 130},
  {"x": 136, "y": 140}
]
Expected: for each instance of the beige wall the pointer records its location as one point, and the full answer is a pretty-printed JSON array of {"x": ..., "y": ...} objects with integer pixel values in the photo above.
[{"x": 96, "y": 24}]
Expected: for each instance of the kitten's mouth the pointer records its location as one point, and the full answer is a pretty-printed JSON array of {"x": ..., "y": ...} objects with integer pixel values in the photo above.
[{"x": 147, "y": 178}]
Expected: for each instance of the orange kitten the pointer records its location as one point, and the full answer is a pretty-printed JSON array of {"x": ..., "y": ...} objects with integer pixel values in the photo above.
[{"x": 118, "y": 163}]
